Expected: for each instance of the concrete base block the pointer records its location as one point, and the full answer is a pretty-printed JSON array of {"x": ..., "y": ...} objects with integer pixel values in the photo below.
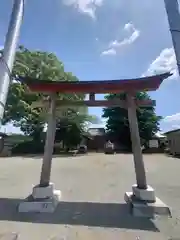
[
  {"x": 141, "y": 208},
  {"x": 144, "y": 194},
  {"x": 43, "y": 205},
  {"x": 43, "y": 192}
]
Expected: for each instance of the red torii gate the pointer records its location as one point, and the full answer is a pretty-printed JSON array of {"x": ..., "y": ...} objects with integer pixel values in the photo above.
[{"x": 141, "y": 191}]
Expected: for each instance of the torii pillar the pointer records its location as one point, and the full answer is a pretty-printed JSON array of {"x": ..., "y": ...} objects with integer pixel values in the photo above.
[
  {"x": 49, "y": 145},
  {"x": 142, "y": 199},
  {"x": 136, "y": 144},
  {"x": 44, "y": 197}
]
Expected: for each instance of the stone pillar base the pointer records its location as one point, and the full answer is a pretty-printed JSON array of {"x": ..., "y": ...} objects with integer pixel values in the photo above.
[
  {"x": 143, "y": 203},
  {"x": 42, "y": 200},
  {"x": 144, "y": 194}
]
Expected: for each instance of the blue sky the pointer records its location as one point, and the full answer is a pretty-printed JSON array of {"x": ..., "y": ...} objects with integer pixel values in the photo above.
[{"x": 103, "y": 39}]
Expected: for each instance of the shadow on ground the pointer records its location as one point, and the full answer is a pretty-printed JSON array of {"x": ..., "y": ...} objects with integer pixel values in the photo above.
[
  {"x": 94, "y": 214},
  {"x": 175, "y": 156},
  {"x": 40, "y": 156}
]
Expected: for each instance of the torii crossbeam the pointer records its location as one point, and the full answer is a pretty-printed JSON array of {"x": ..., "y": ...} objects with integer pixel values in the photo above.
[{"x": 141, "y": 190}]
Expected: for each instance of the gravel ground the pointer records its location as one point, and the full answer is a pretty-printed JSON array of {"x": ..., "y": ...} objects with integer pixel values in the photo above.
[{"x": 92, "y": 205}]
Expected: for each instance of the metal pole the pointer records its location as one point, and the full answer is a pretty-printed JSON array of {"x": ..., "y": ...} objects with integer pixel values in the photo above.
[
  {"x": 8, "y": 55},
  {"x": 49, "y": 145},
  {"x": 172, "y": 9},
  {"x": 136, "y": 144}
]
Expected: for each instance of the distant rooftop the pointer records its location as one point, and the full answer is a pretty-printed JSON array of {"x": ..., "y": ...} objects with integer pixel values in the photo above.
[
  {"x": 96, "y": 131},
  {"x": 173, "y": 131},
  {"x": 159, "y": 135}
]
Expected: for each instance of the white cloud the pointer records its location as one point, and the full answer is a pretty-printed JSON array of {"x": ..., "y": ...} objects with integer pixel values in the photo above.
[
  {"x": 116, "y": 45},
  {"x": 110, "y": 51},
  {"x": 172, "y": 118},
  {"x": 165, "y": 62},
  {"x": 85, "y": 6},
  {"x": 171, "y": 122},
  {"x": 129, "y": 27},
  {"x": 176, "y": 126}
]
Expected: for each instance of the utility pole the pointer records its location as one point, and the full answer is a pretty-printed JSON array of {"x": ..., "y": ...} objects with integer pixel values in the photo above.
[
  {"x": 8, "y": 55},
  {"x": 172, "y": 9}
]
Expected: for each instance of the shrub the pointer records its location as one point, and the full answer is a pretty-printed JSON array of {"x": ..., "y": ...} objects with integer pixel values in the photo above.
[{"x": 29, "y": 147}]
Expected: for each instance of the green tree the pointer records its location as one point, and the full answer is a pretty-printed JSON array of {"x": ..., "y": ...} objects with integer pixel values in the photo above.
[
  {"x": 69, "y": 134},
  {"x": 42, "y": 66},
  {"x": 118, "y": 125},
  {"x": 70, "y": 129}
]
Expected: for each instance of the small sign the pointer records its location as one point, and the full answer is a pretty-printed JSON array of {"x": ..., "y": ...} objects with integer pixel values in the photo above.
[
  {"x": 44, "y": 205},
  {"x": 153, "y": 144}
]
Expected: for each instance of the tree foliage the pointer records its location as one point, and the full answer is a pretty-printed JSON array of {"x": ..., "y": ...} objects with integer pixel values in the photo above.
[
  {"x": 71, "y": 128},
  {"x": 69, "y": 133},
  {"x": 41, "y": 66},
  {"x": 118, "y": 125}
]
